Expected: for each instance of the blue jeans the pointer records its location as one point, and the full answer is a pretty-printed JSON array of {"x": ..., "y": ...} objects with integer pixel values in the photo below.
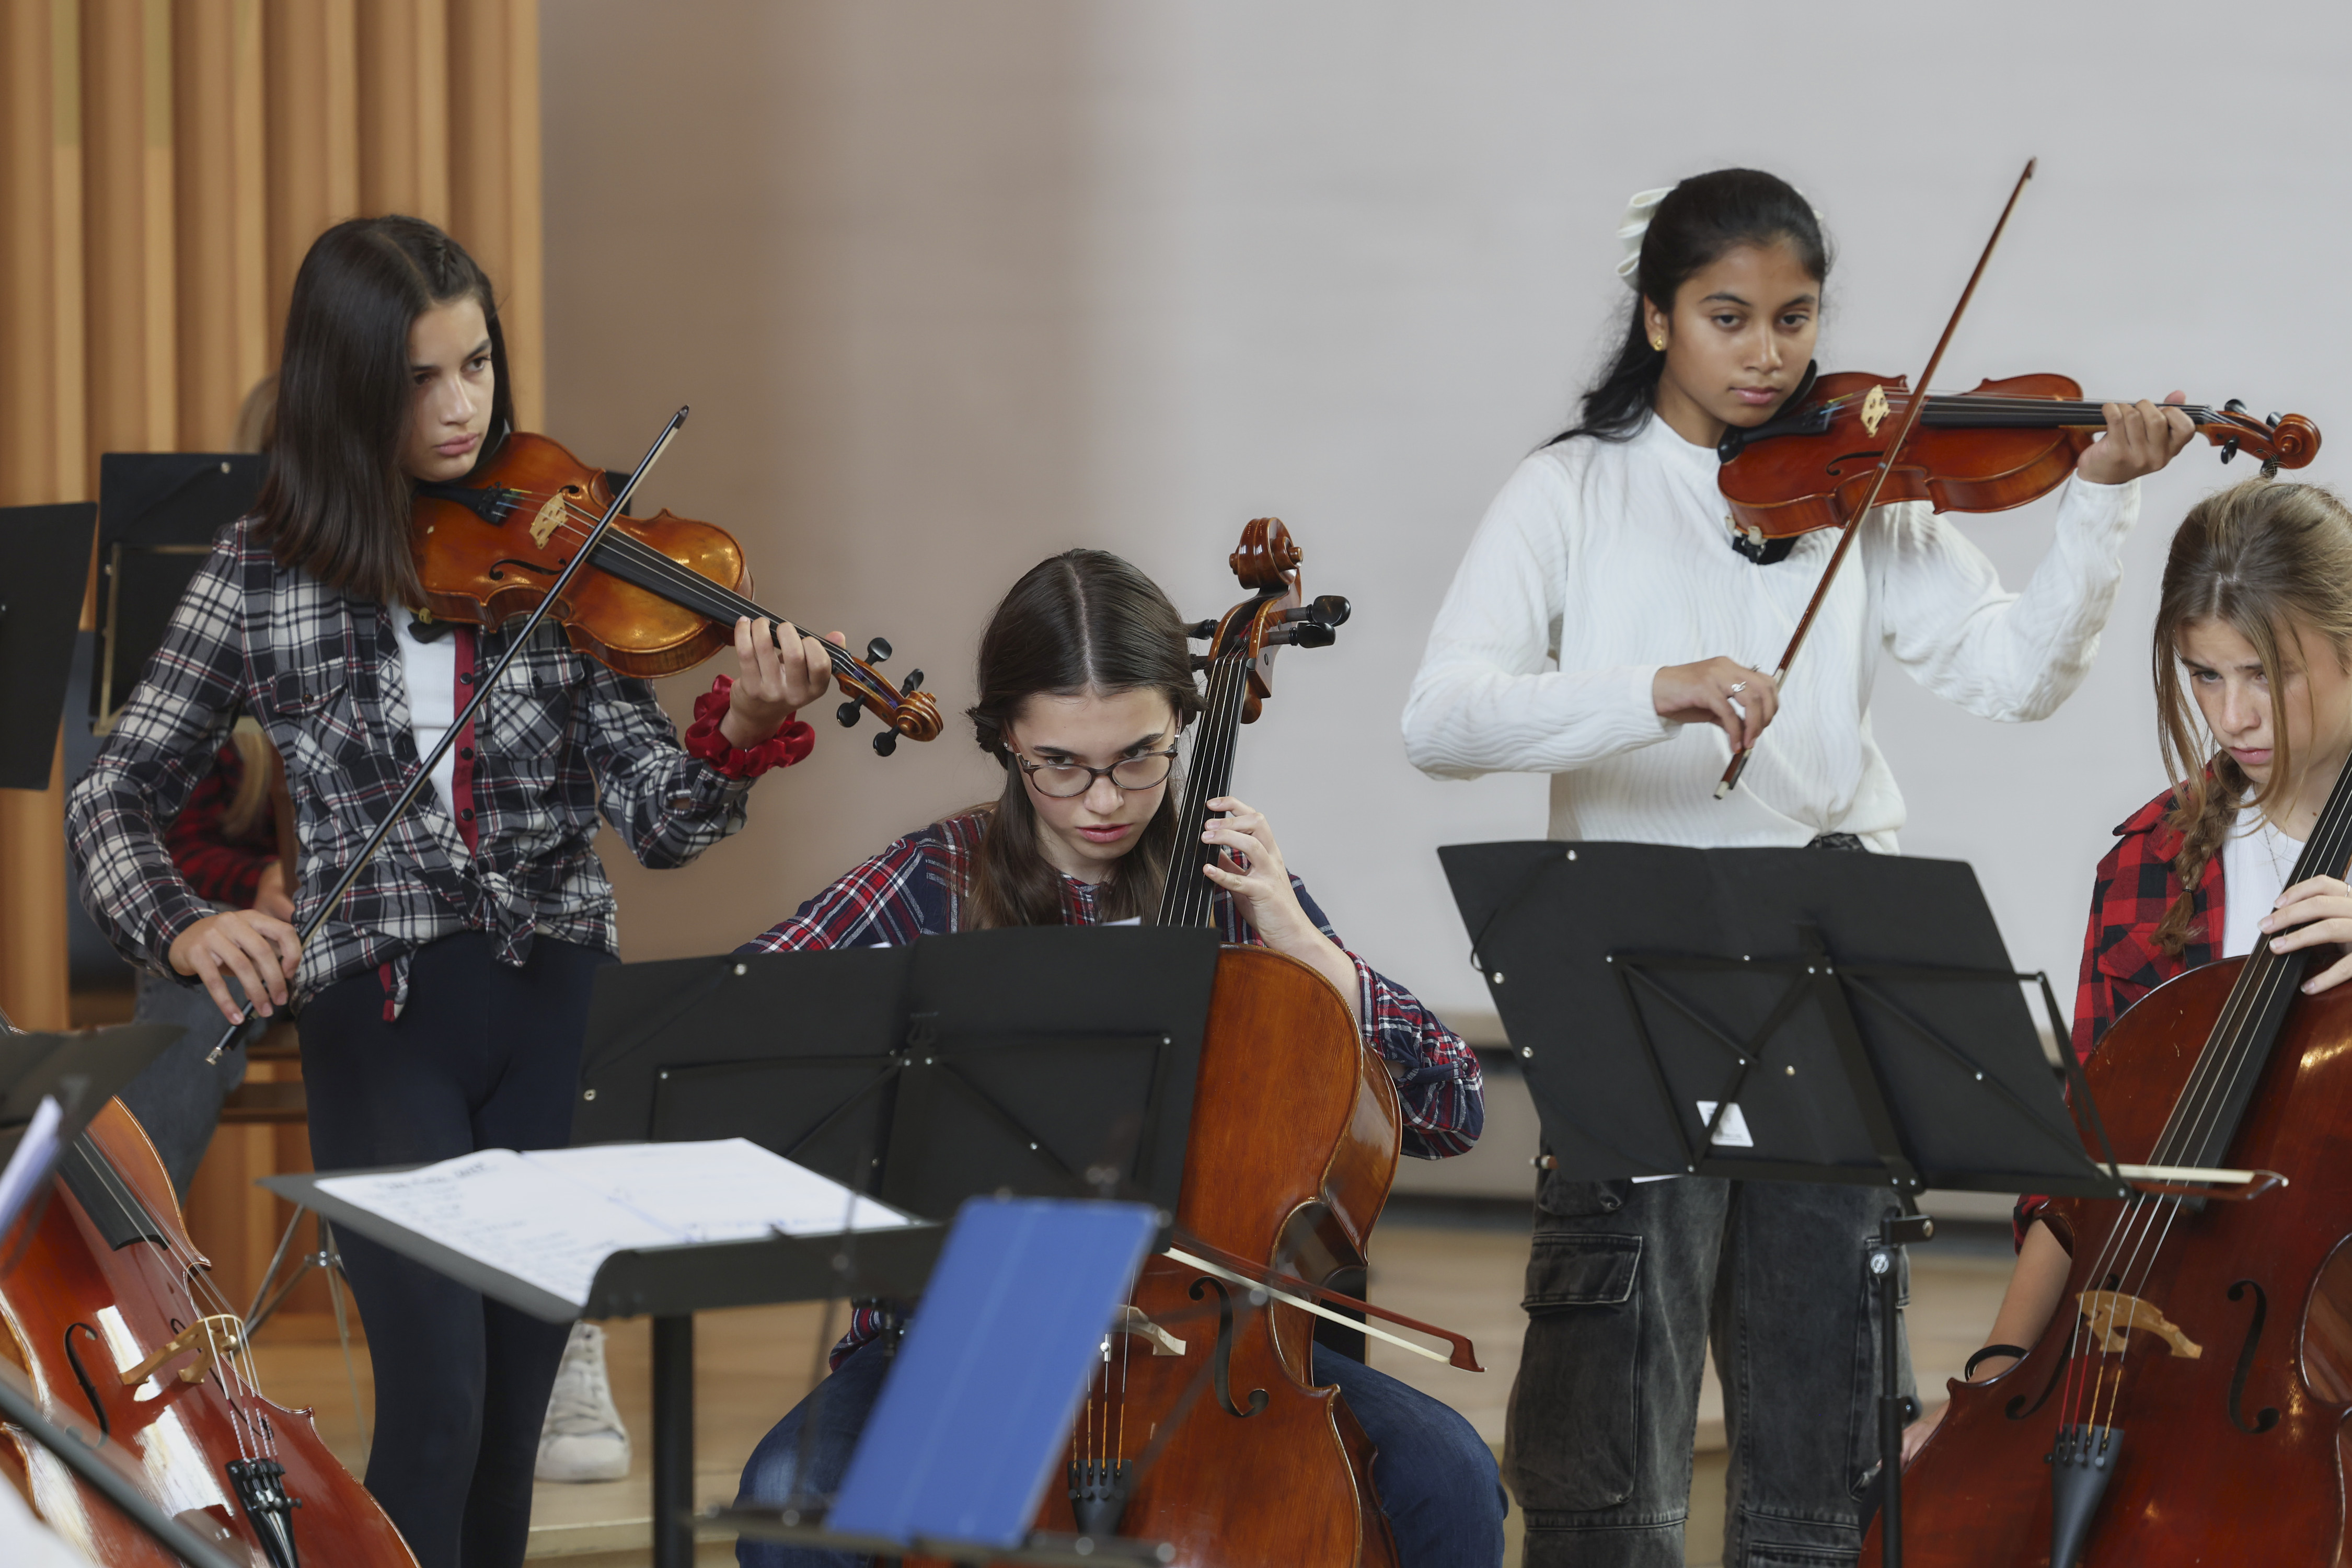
[{"x": 1436, "y": 1475}]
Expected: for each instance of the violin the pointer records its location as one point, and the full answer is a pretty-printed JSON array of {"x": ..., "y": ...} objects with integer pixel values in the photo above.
[
  {"x": 2004, "y": 443},
  {"x": 109, "y": 1311},
  {"x": 661, "y": 594},
  {"x": 2186, "y": 1401}
]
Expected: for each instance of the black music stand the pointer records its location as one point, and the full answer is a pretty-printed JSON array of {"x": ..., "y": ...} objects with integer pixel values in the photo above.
[
  {"x": 1039, "y": 1061},
  {"x": 157, "y": 513},
  {"x": 1778, "y": 1014},
  {"x": 40, "y": 608}
]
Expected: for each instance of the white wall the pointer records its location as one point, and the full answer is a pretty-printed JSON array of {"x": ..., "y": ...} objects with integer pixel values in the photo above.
[{"x": 953, "y": 286}]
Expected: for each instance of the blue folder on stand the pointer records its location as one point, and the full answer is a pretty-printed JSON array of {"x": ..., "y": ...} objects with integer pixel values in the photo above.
[{"x": 974, "y": 1417}]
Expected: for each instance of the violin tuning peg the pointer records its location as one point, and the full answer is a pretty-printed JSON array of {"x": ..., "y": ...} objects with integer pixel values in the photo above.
[
  {"x": 914, "y": 680},
  {"x": 1330, "y": 610},
  {"x": 847, "y": 713},
  {"x": 2271, "y": 421},
  {"x": 876, "y": 649},
  {"x": 885, "y": 743},
  {"x": 1201, "y": 631},
  {"x": 2228, "y": 449},
  {"x": 2234, "y": 407}
]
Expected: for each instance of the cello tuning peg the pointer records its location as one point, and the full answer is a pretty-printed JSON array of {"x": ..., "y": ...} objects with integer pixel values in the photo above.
[
  {"x": 1330, "y": 610},
  {"x": 1200, "y": 661},
  {"x": 847, "y": 713},
  {"x": 914, "y": 680},
  {"x": 876, "y": 649},
  {"x": 1312, "y": 633},
  {"x": 885, "y": 743},
  {"x": 1202, "y": 631}
]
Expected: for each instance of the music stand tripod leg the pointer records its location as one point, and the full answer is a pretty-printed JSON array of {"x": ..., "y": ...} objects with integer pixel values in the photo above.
[
  {"x": 674, "y": 1441},
  {"x": 1882, "y": 1262}
]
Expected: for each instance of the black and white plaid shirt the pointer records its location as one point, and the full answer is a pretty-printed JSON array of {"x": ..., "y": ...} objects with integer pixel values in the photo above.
[{"x": 560, "y": 737}]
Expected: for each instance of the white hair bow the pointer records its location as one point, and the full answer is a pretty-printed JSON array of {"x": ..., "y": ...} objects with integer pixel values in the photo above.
[
  {"x": 1631, "y": 228},
  {"x": 1639, "y": 210}
]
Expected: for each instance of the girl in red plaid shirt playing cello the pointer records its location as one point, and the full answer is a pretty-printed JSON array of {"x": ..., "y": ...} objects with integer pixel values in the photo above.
[{"x": 2252, "y": 653}]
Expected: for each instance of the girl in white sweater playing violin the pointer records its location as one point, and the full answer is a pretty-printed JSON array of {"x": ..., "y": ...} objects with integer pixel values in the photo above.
[{"x": 1607, "y": 628}]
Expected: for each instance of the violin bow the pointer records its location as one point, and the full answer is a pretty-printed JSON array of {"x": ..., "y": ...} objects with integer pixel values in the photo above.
[
  {"x": 375, "y": 840},
  {"x": 1913, "y": 407}
]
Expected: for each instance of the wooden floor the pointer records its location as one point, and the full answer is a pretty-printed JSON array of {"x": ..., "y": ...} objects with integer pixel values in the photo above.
[{"x": 1463, "y": 1269}]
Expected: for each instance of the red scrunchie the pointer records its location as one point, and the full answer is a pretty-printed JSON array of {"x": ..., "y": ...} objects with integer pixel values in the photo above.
[{"x": 788, "y": 745}]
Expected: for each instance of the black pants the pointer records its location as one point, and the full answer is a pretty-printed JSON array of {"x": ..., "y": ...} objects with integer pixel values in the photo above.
[{"x": 482, "y": 1057}]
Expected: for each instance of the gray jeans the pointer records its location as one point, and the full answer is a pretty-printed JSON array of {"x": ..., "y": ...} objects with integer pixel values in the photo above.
[
  {"x": 178, "y": 1098},
  {"x": 1628, "y": 1285}
]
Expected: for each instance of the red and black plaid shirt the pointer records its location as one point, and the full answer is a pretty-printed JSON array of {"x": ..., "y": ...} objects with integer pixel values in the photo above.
[
  {"x": 2121, "y": 961},
  {"x": 2137, "y": 883}
]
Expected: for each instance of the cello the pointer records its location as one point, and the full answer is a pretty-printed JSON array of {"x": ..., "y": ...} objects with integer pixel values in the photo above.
[
  {"x": 1203, "y": 1427},
  {"x": 2191, "y": 1406},
  {"x": 109, "y": 1312}
]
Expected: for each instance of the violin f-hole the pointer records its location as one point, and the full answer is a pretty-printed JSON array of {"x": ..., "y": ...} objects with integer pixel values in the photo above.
[
  {"x": 2268, "y": 1416},
  {"x": 1220, "y": 1362},
  {"x": 81, "y": 1376}
]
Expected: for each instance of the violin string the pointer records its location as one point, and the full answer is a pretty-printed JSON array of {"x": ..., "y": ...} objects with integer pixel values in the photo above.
[{"x": 717, "y": 601}]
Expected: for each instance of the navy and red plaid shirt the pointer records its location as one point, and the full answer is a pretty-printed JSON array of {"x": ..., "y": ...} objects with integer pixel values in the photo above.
[
  {"x": 915, "y": 887},
  {"x": 2122, "y": 961},
  {"x": 561, "y": 738}
]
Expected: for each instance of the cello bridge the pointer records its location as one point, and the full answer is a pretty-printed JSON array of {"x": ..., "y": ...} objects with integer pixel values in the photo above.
[
  {"x": 221, "y": 1334},
  {"x": 1132, "y": 1321}
]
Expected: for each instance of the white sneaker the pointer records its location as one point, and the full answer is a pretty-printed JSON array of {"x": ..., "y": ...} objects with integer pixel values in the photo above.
[{"x": 583, "y": 1439}]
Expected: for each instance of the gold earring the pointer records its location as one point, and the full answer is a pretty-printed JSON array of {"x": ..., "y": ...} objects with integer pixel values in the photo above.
[{"x": 1658, "y": 344}]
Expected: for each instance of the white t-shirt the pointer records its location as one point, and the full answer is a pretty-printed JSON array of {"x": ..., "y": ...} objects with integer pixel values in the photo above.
[
  {"x": 430, "y": 670},
  {"x": 2257, "y": 860},
  {"x": 1600, "y": 562}
]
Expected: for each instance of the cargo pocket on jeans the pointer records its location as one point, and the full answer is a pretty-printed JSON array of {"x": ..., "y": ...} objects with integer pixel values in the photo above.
[{"x": 1575, "y": 1416}]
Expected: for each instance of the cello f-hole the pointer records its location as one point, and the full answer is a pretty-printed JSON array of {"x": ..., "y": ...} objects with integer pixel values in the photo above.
[
  {"x": 1220, "y": 1362},
  {"x": 2268, "y": 1416},
  {"x": 81, "y": 1376},
  {"x": 2018, "y": 1410}
]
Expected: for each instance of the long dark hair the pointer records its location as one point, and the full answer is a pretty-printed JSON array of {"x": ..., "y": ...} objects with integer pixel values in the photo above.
[
  {"x": 336, "y": 502},
  {"x": 2263, "y": 558},
  {"x": 1696, "y": 222},
  {"x": 1084, "y": 620}
]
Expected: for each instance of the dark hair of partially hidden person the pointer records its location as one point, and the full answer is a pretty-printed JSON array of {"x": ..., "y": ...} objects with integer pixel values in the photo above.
[
  {"x": 1083, "y": 621},
  {"x": 1693, "y": 226},
  {"x": 2263, "y": 558},
  {"x": 336, "y": 502}
]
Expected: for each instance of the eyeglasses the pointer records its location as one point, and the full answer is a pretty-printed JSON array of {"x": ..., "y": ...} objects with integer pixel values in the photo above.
[{"x": 1062, "y": 781}]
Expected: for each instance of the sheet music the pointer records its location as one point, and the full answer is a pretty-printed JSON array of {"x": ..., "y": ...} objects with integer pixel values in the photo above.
[
  {"x": 551, "y": 1218},
  {"x": 729, "y": 1189}
]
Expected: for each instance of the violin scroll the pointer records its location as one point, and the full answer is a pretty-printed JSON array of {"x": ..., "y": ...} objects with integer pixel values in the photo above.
[{"x": 2282, "y": 441}]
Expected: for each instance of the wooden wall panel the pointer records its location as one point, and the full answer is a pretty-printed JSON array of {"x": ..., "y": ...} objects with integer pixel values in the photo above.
[{"x": 163, "y": 167}]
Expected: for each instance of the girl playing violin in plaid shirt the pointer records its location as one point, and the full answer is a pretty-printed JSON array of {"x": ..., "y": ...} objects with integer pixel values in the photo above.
[{"x": 443, "y": 1005}]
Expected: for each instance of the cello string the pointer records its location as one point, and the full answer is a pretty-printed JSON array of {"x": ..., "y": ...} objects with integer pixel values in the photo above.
[
  {"x": 127, "y": 1203},
  {"x": 2231, "y": 1049},
  {"x": 1190, "y": 906},
  {"x": 1233, "y": 672}
]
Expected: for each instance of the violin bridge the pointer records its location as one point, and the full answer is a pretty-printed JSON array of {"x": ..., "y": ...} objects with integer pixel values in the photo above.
[
  {"x": 2113, "y": 1315},
  {"x": 553, "y": 515},
  {"x": 1131, "y": 1320},
  {"x": 1874, "y": 409},
  {"x": 211, "y": 1338}
]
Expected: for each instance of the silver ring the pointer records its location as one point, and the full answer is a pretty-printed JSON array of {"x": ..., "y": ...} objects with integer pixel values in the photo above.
[{"x": 1737, "y": 686}]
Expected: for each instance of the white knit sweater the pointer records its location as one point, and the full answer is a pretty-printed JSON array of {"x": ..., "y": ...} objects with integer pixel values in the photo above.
[{"x": 1601, "y": 561}]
